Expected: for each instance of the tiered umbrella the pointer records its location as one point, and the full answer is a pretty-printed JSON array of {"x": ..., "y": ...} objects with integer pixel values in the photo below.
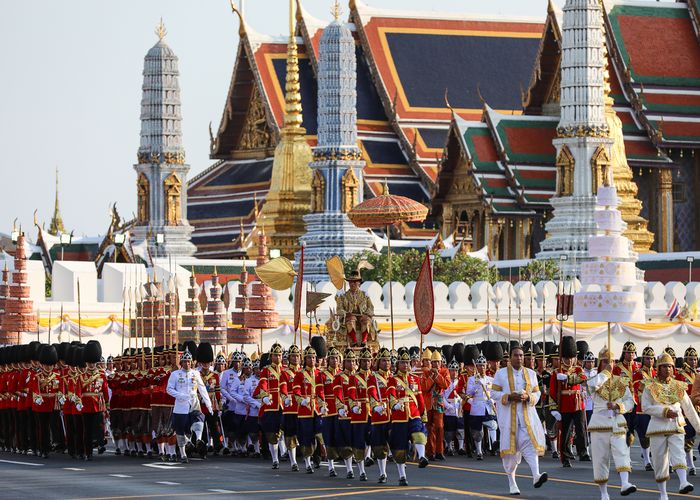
[{"x": 384, "y": 211}]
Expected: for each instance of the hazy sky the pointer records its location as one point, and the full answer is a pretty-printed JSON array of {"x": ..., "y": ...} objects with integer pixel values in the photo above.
[{"x": 70, "y": 91}]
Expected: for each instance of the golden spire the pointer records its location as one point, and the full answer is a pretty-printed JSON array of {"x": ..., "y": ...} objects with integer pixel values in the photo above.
[
  {"x": 160, "y": 30},
  {"x": 336, "y": 11},
  {"x": 292, "y": 98},
  {"x": 56, "y": 225}
]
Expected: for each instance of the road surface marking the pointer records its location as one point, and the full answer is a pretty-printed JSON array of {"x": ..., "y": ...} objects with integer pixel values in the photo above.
[
  {"x": 221, "y": 491},
  {"x": 164, "y": 466},
  {"x": 119, "y": 475},
  {"x": 21, "y": 463},
  {"x": 72, "y": 468},
  {"x": 167, "y": 483},
  {"x": 363, "y": 492}
]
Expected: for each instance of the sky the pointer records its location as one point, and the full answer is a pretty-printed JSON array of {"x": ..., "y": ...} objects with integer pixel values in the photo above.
[{"x": 70, "y": 91}]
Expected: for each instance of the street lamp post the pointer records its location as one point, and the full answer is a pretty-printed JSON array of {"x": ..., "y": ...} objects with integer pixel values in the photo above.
[
  {"x": 160, "y": 239},
  {"x": 690, "y": 260}
]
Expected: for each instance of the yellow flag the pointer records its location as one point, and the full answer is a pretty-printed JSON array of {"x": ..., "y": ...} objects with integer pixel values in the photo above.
[{"x": 278, "y": 274}]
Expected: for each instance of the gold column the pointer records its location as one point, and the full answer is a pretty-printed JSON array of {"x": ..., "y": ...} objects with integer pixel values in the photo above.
[{"x": 665, "y": 208}]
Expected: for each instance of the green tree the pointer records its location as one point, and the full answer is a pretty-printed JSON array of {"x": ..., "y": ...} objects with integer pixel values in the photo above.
[{"x": 539, "y": 270}]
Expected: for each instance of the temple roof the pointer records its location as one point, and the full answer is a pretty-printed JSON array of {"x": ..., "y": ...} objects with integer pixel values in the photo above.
[{"x": 657, "y": 58}]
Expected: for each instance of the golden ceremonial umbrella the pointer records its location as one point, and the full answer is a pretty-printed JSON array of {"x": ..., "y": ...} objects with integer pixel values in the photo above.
[{"x": 384, "y": 211}]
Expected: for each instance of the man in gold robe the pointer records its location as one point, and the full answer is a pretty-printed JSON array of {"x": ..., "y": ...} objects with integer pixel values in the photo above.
[{"x": 356, "y": 313}]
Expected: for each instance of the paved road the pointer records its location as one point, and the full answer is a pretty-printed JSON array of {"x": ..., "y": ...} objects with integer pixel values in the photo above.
[{"x": 116, "y": 477}]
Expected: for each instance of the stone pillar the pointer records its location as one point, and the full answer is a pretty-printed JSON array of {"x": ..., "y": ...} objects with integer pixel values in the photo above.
[{"x": 665, "y": 208}]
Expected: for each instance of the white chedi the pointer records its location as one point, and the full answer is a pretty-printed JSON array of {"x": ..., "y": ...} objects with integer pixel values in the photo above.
[{"x": 611, "y": 289}]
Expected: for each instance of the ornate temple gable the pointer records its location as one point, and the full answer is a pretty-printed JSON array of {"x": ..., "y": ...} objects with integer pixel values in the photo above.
[
  {"x": 400, "y": 46},
  {"x": 544, "y": 84},
  {"x": 241, "y": 127},
  {"x": 660, "y": 80}
]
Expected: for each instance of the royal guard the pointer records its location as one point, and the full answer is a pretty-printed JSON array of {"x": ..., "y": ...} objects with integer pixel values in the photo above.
[
  {"x": 378, "y": 393},
  {"x": 229, "y": 380},
  {"x": 341, "y": 390},
  {"x": 330, "y": 418},
  {"x": 453, "y": 410},
  {"x": 358, "y": 401},
  {"x": 307, "y": 390},
  {"x": 72, "y": 418},
  {"x": 626, "y": 369},
  {"x": 162, "y": 405},
  {"x": 434, "y": 380},
  {"x": 268, "y": 392},
  {"x": 667, "y": 402},
  {"x": 290, "y": 408},
  {"x": 47, "y": 393},
  {"x": 483, "y": 408},
  {"x": 94, "y": 399},
  {"x": 408, "y": 416},
  {"x": 565, "y": 390},
  {"x": 185, "y": 385},
  {"x": 356, "y": 312},
  {"x": 205, "y": 358},
  {"x": 645, "y": 375},
  {"x": 612, "y": 398},
  {"x": 687, "y": 375},
  {"x": 251, "y": 424},
  {"x": 116, "y": 403},
  {"x": 471, "y": 352}
]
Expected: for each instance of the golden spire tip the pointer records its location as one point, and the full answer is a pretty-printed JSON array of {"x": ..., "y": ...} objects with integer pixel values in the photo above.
[{"x": 160, "y": 30}]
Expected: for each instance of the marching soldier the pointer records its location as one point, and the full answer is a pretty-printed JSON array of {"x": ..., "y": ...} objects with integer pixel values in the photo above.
[
  {"x": 565, "y": 390},
  {"x": 626, "y": 369},
  {"x": 611, "y": 400},
  {"x": 483, "y": 410},
  {"x": 590, "y": 371},
  {"x": 184, "y": 385},
  {"x": 453, "y": 411},
  {"x": 93, "y": 399},
  {"x": 378, "y": 392},
  {"x": 330, "y": 419},
  {"x": 307, "y": 389},
  {"x": 341, "y": 390},
  {"x": 268, "y": 392},
  {"x": 434, "y": 380},
  {"x": 667, "y": 402},
  {"x": 47, "y": 393},
  {"x": 228, "y": 382},
  {"x": 687, "y": 375},
  {"x": 641, "y": 378},
  {"x": 358, "y": 403},
  {"x": 408, "y": 416},
  {"x": 290, "y": 408},
  {"x": 205, "y": 356}
]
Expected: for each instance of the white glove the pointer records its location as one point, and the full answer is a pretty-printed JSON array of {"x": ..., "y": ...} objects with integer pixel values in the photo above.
[
  {"x": 288, "y": 402},
  {"x": 356, "y": 410},
  {"x": 378, "y": 409},
  {"x": 266, "y": 400},
  {"x": 61, "y": 400},
  {"x": 305, "y": 402},
  {"x": 79, "y": 407},
  {"x": 398, "y": 406},
  {"x": 211, "y": 411},
  {"x": 562, "y": 376},
  {"x": 557, "y": 416},
  {"x": 324, "y": 410},
  {"x": 342, "y": 412}
]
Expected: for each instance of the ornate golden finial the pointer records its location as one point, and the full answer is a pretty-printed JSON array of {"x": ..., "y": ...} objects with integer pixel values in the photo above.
[
  {"x": 255, "y": 206},
  {"x": 292, "y": 98},
  {"x": 385, "y": 188},
  {"x": 56, "y": 226},
  {"x": 160, "y": 30},
  {"x": 336, "y": 11},
  {"x": 242, "y": 235},
  {"x": 241, "y": 29}
]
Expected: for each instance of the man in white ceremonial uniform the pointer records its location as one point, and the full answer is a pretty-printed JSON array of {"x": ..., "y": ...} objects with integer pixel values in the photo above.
[
  {"x": 183, "y": 385},
  {"x": 590, "y": 371},
  {"x": 667, "y": 402},
  {"x": 516, "y": 393},
  {"x": 483, "y": 408},
  {"x": 611, "y": 398}
]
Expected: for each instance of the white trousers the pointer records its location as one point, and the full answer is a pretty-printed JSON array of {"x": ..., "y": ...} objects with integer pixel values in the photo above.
[
  {"x": 665, "y": 449},
  {"x": 524, "y": 449},
  {"x": 603, "y": 444}
]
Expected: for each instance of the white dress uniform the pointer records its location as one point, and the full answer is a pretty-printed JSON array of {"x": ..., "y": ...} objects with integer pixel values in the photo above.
[
  {"x": 608, "y": 429},
  {"x": 667, "y": 435},
  {"x": 183, "y": 385},
  {"x": 483, "y": 409},
  {"x": 522, "y": 435}
]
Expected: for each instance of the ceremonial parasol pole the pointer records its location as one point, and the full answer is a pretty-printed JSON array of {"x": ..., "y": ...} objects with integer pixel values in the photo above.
[
  {"x": 532, "y": 340},
  {"x": 38, "y": 316},
  {"x": 49, "y": 339},
  {"x": 123, "y": 317},
  {"x": 60, "y": 325},
  {"x": 383, "y": 211}
]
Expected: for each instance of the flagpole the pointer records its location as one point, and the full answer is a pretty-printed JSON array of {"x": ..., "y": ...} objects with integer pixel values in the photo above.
[
  {"x": 80, "y": 323},
  {"x": 49, "y": 339}
]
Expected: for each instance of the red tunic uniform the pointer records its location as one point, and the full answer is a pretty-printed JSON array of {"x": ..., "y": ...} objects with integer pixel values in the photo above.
[
  {"x": 404, "y": 389},
  {"x": 269, "y": 386},
  {"x": 308, "y": 384},
  {"x": 47, "y": 391},
  {"x": 570, "y": 398},
  {"x": 328, "y": 378},
  {"x": 641, "y": 378},
  {"x": 357, "y": 396},
  {"x": 94, "y": 393},
  {"x": 378, "y": 392}
]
